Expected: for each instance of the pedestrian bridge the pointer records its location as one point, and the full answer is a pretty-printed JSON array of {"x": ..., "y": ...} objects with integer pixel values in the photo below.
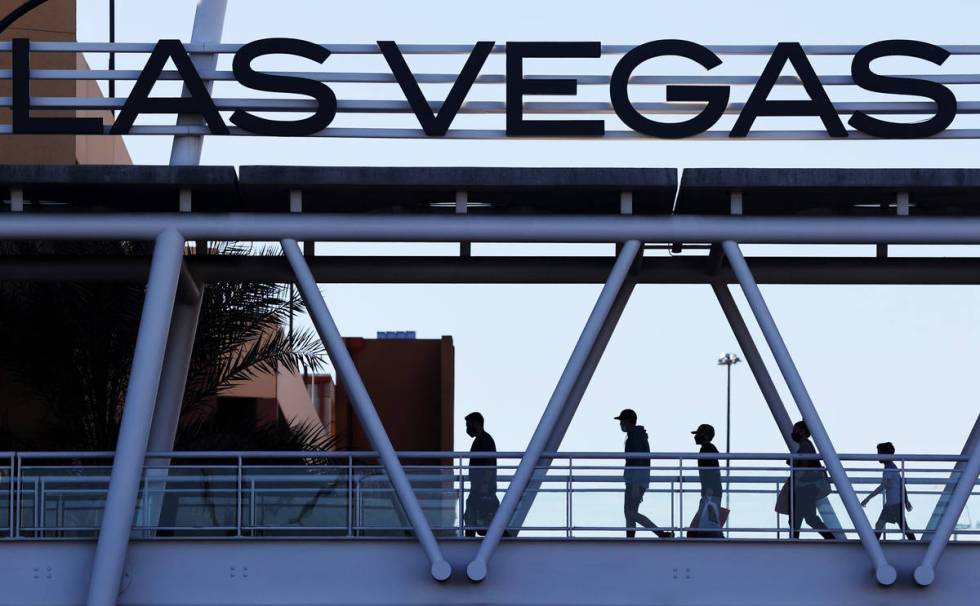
[{"x": 329, "y": 527}]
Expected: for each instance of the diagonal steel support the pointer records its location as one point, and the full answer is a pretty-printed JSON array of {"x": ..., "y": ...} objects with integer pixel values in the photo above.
[
  {"x": 209, "y": 21},
  {"x": 571, "y": 405},
  {"x": 134, "y": 430},
  {"x": 758, "y": 367},
  {"x": 366, "y": 413},
  {"x": 756, "y": 364},
  {"x": 943, "y": 502},
  {"x": 560, "y": 399},
  {"x": 173, "y": 384},
  {"x": 925, "y": 573},
  {"x": 884, "y": 572}
]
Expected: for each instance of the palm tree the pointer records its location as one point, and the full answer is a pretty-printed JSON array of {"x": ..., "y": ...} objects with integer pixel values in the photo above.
[{"x": 69, "y": 348}]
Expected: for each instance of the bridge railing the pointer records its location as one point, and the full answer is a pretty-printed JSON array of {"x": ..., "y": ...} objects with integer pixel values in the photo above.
[{"x": 347, "y": 495}]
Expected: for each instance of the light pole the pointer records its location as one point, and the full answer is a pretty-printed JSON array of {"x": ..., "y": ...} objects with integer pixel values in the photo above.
[{"x": 728, "y": 360}]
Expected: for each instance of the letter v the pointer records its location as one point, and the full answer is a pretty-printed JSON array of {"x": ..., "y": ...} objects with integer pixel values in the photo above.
[{"x": 435, "y": 125}]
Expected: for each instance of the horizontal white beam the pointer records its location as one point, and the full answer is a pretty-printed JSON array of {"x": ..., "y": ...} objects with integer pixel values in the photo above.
[
  {"x": 437, "y": 78},
  {"x": 381, "y": 106},
  {"x": 483, "y": 228}
]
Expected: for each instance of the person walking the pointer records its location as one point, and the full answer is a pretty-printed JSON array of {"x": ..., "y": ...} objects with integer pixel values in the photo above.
[
  {"x": 709, "y": 509},
  {"x": 810, "y": 484},
  {"x": 893, "y": 486},
  {"x": 482, "y": 502},
  {"x": 636, "y": 475}
]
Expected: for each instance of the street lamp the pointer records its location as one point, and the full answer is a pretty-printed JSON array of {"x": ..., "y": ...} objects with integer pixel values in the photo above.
[{"x": 728, "y": 360}]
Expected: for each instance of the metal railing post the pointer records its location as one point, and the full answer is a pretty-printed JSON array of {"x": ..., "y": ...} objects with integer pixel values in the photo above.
[
  {"x": 885, "y": 573},
  {"x": 461, "y": 499},
  {"x": 925, "y": 573},
  {"x": 238, "y": 500},
  {"x": 13, "y": 495},
  {"x": 134, "y": 431},
  {"x": 680, "y": 502},
  {"x": 350, "y": 496},
  {"x": 568, "y": 501},
  {"x": 364, "y": 407},
  {"x": 477, "y": 568}
]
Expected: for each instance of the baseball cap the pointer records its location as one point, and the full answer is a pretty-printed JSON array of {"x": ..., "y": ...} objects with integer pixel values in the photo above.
[
  {"x": 628, "y": 414},
  {"x": 705, "y": 429}
]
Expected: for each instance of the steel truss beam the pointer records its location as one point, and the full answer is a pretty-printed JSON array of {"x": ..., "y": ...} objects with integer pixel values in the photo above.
[
  {"x": 568, "y": 385},
  {"x": 574, "y": 399},
  {"x": 333, "y": 342},
  {"x": 495, "y": 228},
  {"x": 884, "y": 572},
  {"x": 134, "y": 430}
]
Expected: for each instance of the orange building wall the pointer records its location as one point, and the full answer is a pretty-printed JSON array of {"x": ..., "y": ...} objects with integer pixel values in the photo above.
[
  {"x": 412, "y": 385},
  {"x": 54, "y": 22}
]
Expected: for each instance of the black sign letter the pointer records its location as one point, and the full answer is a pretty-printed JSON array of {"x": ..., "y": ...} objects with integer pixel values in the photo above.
[
  {"x": 760, "y": 105},
  {"x": 435, "y": 125},
  {"x": 715, "y": 96},
  {"x": 22, "y": 121},
  {"x": 246, "y": 76},
  {"x": 517, "y": 87},
  {"x": 140, "y": 102},
  {"x": 944, "y": 98}
]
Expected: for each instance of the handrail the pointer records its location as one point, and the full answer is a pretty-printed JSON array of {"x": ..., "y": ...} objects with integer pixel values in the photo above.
[{"x": 425, "y": 454}]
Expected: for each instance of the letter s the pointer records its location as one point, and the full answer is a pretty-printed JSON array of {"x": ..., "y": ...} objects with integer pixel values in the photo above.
[{"x": 250, "y": 78}]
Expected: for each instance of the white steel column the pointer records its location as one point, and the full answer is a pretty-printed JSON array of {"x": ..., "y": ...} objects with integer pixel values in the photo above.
[
  {"x": 176, "y": 363},
  {"x": 943, "y": 501},
  {"x": 755, "y": 362},
  {"x": 134, "y": 430},
  {"x": 925, "y": 573},
  {"x": 577, "y": 363},
  {"x": 366, "y": 413},
  {"x": 209, "y": 21},
  {"x": 173, "y": 384},
  {"x": 884, "y": 572}
]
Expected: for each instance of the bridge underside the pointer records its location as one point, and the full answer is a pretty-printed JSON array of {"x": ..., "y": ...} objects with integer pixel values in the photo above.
[{"x": 526, "y": 572}]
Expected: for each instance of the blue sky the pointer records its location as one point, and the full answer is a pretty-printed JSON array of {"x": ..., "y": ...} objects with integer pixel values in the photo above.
[{"x": 881, "y": 363}]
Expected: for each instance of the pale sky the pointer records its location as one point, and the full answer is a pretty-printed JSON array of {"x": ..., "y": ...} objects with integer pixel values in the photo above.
[{"x": 881, "y": 363}]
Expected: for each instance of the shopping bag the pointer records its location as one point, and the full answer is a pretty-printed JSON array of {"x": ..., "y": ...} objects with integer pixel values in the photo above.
[
  {"x": 782, "y": 501},
  {"x": 709, "y": 520}
]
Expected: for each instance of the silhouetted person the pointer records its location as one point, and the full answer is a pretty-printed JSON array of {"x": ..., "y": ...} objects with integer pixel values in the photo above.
[
  {"x": 709, "y": 509},
  {"x": 636, "y": 475},
  {"x": 893, "y": 486},
  {"x": 808, "y": 475},
  {"x": 482, "y": 501}
]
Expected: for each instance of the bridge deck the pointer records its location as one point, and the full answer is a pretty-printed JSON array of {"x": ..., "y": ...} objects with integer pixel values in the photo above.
[{"x": 525, "y": 572}]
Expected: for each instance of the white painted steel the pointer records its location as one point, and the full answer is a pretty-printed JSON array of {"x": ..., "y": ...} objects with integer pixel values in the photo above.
[
  {"x": 360, "y": 399},
  {"x": 134, "y": 430},
  {"x": 485, "y": 228}
]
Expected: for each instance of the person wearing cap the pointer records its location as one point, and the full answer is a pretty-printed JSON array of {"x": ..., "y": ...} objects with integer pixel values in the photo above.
[
  {"x": 636, "y": 475},
  {"x": 710, "y": 475},
  {"x": 893, "y": 487}
]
